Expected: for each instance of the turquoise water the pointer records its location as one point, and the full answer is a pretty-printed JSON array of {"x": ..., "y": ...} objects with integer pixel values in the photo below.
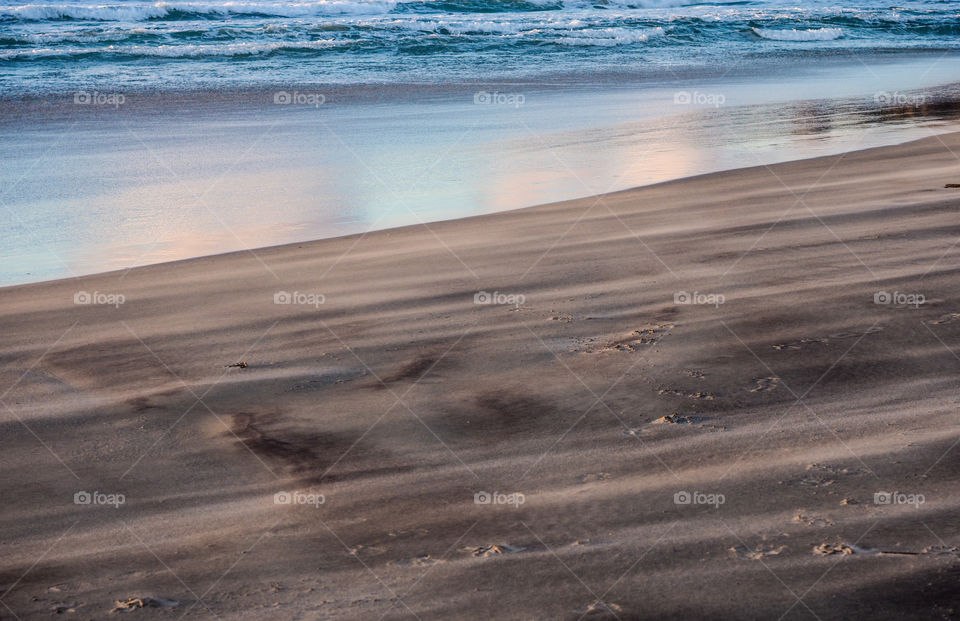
[{"x": 59, "y": 45}]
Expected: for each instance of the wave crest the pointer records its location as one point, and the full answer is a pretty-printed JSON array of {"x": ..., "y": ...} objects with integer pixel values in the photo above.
[{"x": 818, "y": 34}]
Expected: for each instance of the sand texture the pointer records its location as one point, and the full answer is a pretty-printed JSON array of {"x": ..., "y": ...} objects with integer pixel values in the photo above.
[{"x": 585, "y": 446}]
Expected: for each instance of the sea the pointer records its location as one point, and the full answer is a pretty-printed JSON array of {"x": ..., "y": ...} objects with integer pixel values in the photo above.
[{"x": 60, "y": 45}]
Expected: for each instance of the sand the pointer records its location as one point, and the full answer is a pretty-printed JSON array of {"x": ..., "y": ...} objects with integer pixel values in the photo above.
[{"x": 584, "y": 446}]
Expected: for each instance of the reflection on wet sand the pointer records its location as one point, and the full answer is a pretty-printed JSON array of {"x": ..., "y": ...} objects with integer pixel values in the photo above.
[{"x": 197, "y": 181}]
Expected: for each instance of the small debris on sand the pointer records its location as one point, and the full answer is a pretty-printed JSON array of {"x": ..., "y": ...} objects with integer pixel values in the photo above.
[
  {"x": 134, "y": 603},
  {"x": 239, "y": 365},
  {"x": 495, "y": 549},
  {"x": 674, "y": 419}
]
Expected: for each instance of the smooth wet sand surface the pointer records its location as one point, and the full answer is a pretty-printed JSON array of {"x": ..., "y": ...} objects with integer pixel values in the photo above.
[
  {"x": 589, "y": 410},
  {"x": 170, "y": 176}
]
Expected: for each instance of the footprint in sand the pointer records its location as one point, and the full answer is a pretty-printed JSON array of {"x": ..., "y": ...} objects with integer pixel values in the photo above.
[
  {"x": 799, "y": 344},
  {"x": 823, "y": 475},
  {"x": 410, "y": 532},
  {"x": 810, "y": 520},
  {"x": 640, "y": 339},
  {"x": 678, "y": 419},
  {"x": 673, "y": 392},
  {"x": 765, "y": 384},
  {"x": 828, "y": 549},
  {"x": 835, "y": 470},
  {"x": 811, "y": 481},
  {"x": 494, "y": 550},
  {"x": 855, "y": 334},
  {"x": 600, "y": 608},
  {"x": 766, "y": 546},
  {"x": 948, "y": 318},
  {"x": 133, "y": 603},
  {"x": 941, "y": 550},
  {"x": 363, "y": 550},
  {"x": 424, "y": 560},
  {"x": 593, "y": 477},
  {"x": 652, "y": 335}
]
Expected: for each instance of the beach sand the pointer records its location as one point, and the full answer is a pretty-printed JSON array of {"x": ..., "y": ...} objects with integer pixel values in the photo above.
[{"x": 779, "y": 404}]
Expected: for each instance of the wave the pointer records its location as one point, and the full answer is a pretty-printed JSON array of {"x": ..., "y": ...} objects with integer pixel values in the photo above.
[
  {"x": 174, "y": 51},
  {"x": 819, "y": 34},
  {"x": 608, "y": 37},
  {"x": 318, "y": 8},
  {"x": 604, "y": 38},
  {"x": 187, "y": 10},
  {"x": 40, "y": 12}
]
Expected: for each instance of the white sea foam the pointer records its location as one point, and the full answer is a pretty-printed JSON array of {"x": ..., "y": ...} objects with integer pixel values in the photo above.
[
  {"x": 86, "y": 12},
  {"x": 128, "y": 12},
  {"x": 609, "y": 37},
  {"x": 175, "y": 51},
  {"x": 96, "y": 35},
  {"x": 138, "y": 12},
  {"x": 819, "y": 34}
]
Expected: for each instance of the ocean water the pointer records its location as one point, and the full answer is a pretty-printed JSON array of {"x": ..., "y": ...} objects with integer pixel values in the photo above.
[{"x": 59, "y": 45}]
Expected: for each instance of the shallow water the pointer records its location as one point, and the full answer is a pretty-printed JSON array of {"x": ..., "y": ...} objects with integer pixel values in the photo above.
[{"x": 88, "y": 188}]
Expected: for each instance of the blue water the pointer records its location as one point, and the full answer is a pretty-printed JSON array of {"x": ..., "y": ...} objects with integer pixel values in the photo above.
[{"x": 134, "y": 44}]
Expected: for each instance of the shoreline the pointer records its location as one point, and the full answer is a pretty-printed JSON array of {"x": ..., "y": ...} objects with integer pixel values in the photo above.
[
  {"x": 950, "y": 108},
  {"x": 465, "y": 220},
  {"x": 364, "y": 92},
  {"x": 678, "y": 454},
  {"x": 366, "y": 158}
]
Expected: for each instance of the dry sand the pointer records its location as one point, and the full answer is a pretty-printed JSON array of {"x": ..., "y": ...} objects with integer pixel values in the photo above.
[{"x": 594, "y": 403}]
